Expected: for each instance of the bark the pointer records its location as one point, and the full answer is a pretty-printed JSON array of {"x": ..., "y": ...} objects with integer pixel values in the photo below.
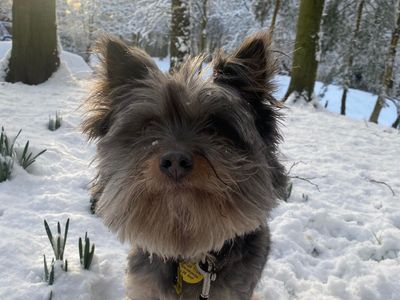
[
  {"x": 397, "y": 122},
  {"x": 91, "y": 29},
  {"x": 305, "y": 63},
  {"x": 387, "y": 84},
  {"x": 203, "y": 27},
  {"x": 261, "y": 11},
  {"x": 350, "y": 53},
  {"x": 34, "y": 54},
  {"x": 275, "y": 15},
  {"x": 180, "y": 32}
]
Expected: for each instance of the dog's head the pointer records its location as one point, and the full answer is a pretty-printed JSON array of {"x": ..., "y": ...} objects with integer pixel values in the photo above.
[{"x": 186, "y": 161}]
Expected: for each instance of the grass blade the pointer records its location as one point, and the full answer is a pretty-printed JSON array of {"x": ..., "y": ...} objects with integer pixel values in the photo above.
[
  {"x": 46, "y": 269},
  {"x": 65, "y": 234},
  {"x": 25, "y": 150},
  {"x": 80, "y": 251},
  {"x": 48, "y": 231},
  {"x": 14, "y": 140}
]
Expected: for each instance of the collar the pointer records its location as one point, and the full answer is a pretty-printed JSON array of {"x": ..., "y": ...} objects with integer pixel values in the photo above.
[{"x": 205, "y": 271}]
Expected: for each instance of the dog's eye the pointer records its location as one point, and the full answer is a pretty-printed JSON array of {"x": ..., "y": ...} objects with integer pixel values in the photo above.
[
  {"x": 148, "y": 124},
  {"x": 222, "y": 128},
  {"x": 209, "y": 130}
]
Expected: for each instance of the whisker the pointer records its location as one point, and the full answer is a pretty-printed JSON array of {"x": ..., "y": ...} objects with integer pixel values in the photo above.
[{"x": 213, "y": 169}]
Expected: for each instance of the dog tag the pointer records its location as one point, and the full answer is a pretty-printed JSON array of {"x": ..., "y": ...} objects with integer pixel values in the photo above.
[{"x": 189, "y": 273}]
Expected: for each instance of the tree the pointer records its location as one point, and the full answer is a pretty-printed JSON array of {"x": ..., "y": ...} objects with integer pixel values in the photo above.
[
  {"x": 350, "y": 54},
  {"x": 203, "y": 27},
  {"x": 180, "y": 32},
  {"x": 396, "y": 123},
  {"x": 387, "y": 84},
  {"x": 305, "y": 62},
  {"x": 34, "y": 54},
  {"x": 275, "y": 15},
  {"x": 261, "y": 11},
  {"x": 261, "y": 8}
]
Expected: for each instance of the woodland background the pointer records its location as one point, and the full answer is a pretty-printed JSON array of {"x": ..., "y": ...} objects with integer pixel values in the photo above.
[{"x": 351, "y": 49}]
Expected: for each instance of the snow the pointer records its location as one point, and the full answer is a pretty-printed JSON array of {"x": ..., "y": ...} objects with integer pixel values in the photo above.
[
  {"x": 359, "y": 103},
  {"x": 338, "y": 241},
  {"x": 342, "y": 242},
  {"x": 300, "y": 100},
  {"x": 75, "y": 63}
]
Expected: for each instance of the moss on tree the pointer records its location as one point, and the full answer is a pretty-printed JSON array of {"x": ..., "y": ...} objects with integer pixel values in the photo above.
[
  {"x": 34, "y": 54},
  {"x": 180, "y": 32},
  {"x": 305, "y": 63}
]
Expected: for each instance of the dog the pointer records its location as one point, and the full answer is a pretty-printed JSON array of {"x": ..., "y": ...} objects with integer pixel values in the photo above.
[{"x": 188, "y": 168}]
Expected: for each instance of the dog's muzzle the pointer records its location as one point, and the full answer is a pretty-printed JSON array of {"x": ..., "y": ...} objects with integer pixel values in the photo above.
[{"x": 176, "y": 164}]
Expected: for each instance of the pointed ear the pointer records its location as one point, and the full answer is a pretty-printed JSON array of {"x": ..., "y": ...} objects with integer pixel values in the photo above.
[
  {"x": 250, "y": 68},
  {"x": 121, "y": 70},
  {"x": 122, "y": 64}
]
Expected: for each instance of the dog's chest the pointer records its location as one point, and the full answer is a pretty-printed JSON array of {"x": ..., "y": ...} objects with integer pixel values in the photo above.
[{"x": 160, "y": 280}]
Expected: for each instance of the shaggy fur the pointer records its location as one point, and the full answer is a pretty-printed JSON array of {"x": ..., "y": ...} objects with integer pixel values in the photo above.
[{"x": 228, "y": 125}]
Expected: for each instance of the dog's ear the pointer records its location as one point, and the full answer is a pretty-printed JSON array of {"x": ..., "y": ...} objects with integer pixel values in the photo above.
[
  {"x": 122, "y": 64},
  {"x": 121, "y": 70},
  {"x": 249, "y": 69}
]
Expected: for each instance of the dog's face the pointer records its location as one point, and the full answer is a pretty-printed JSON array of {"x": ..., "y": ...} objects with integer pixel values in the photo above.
[{"x": 185, "y": 162}]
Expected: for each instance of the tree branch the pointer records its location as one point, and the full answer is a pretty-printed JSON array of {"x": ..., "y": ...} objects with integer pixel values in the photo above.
[
  {"x": 299, "y": 177},
  {"x": 381, "y": 182},
  {"x": 306, "y": 180}
]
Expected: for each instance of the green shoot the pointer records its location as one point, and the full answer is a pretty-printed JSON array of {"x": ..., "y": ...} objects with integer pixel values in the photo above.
[
  {"x": 86, "y": 256},
  {"x": 58, "y": 242},
  {"x": 54, "y": 124},
  {"x": 6, "y": 166},
  {"x": 7, "y": 153},
  {"x": 7, "y": 148},
  {"x": 48, "y": 276},
  {"x": 27, "y": 159},
  {"x": 65, "y": 266}
]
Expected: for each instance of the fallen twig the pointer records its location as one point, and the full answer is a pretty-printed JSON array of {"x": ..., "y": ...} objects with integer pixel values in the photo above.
[
  {"x": 381, "y": 182},
  {"x": 292, "y": 166},
  {"x": 306, "y": 180}
]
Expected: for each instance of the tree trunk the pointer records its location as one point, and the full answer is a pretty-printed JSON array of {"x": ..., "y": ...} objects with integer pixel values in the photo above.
[
  {"x": 180, "y": 32},
  {"x": 90, "y": 28},
  {"x": 387, "y": 84},
  {"x": 305, "y": 63},
  {"x": 203, "y": 27},
  {"x": 275, "y": 15},
  {"x": 261, "y": 11},
  {"x": 350, "y": 53},
  {"x": 397, "y": 122},
  {"x": 34, "y": 54}
]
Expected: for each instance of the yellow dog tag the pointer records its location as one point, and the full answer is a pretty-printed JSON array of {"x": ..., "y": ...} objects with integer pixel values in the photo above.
[
  {"x": 178, "y": 284},
  {"x": 189, "y": 273}
]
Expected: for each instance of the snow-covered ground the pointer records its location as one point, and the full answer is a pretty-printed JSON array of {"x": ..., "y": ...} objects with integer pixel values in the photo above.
[
  {"x": 338, "y": 241},
  {"x": 359, "y": 103}
]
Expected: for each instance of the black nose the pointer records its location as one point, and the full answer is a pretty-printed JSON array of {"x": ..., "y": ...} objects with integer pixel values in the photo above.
[{"x": 176, "y": 164}]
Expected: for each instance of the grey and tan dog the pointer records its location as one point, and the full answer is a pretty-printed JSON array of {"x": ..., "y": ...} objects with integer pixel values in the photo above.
[{"x": 188, "y": 168}]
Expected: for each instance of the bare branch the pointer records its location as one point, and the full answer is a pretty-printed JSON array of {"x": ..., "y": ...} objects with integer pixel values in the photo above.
[
  {"x": 292, "y": 166},
  {"x": 381, "y": 182},
  {"x": 306, "y": 180}
]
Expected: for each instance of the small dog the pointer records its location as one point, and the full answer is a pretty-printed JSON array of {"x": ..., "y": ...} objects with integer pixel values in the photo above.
[{"x": 188, "y": 168}]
